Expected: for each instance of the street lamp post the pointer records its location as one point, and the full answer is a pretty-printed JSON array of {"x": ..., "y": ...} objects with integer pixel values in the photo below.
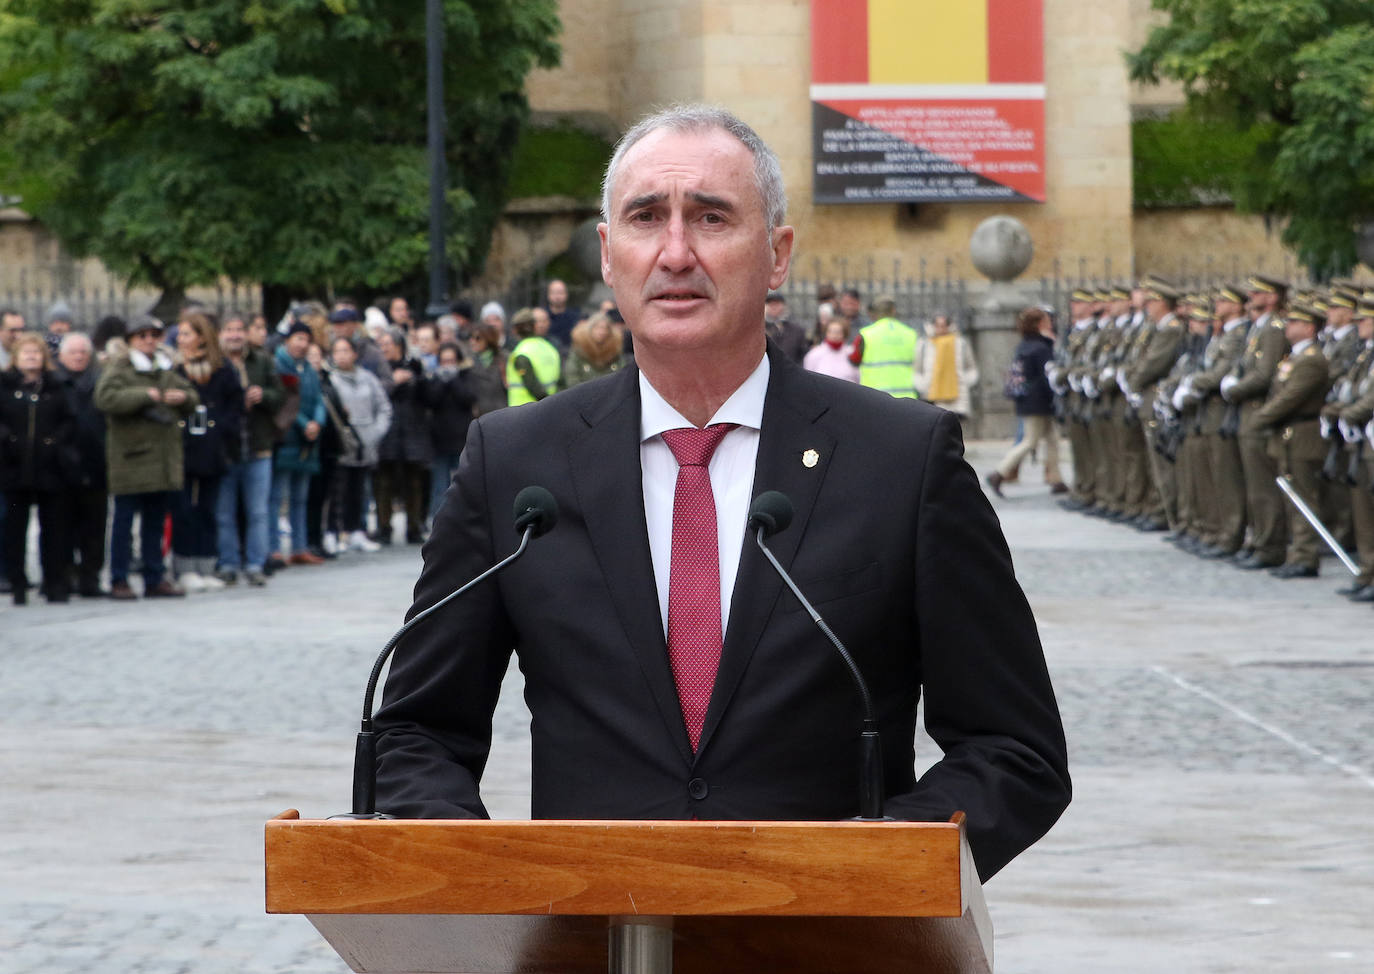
[{"x": 438, "y": 172}]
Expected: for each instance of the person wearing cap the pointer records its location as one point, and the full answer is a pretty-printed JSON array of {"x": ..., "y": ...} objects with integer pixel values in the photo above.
[
  {"x": 144, "y": 401},
  {"x": 1163, "y": 344},
  {"x": 785, "y": 333},
  {"x": 885, "y": 353},
  {"x": 1247, "y": 386},
  {"x": 1105, "y": 430},
  {"x": 1291, "y": 416},
  {"x": 1340, "y": 342},
  {"x": 1138, "y": 491},
  {"x": 347, "y": 323},
  {"x": 1082, "y": 333},
  {"x": 1176, "y": 399},
  {"x": 1349, "y": 407},
  {"x": 297, "y": 458},
  {"x": 1223, "y": 351}
]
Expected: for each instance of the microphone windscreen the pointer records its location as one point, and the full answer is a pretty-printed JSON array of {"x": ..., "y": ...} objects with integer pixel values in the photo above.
[
  {"x": 772, "y": 511},
  {"x": 535, "y": 506}
]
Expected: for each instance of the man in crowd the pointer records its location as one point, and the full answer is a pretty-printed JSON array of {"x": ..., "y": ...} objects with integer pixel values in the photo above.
[
  {"x": 851, "y": 310},
  {"x": 665, "y": 667},
  {"x": 247, "y": 483},
  {"x": 11, "y": 324},
  {"x": 90, "y": 499},
  {"x": 885, "y": 353},
  {"x": 143, "y": 400},
  {"x": 399, "y": 313},
  {"x": 789, "y": 336},
  {"x": 347, "y": 323},
  {"x": 562, "y": 319}
]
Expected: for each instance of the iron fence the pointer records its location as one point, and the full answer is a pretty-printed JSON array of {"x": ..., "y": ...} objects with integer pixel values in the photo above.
[{"x": 36, "y": 291}]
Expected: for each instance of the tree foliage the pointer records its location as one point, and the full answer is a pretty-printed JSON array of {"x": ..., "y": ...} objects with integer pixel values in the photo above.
[
  {"x": 281, "y": 141},
  {"x": 1297, "y": 78}
]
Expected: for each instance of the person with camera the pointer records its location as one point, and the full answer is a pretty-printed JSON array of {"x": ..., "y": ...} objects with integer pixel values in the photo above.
[
  {"x": 144, "y": 401},
  {"x": 360, "y": 411}
]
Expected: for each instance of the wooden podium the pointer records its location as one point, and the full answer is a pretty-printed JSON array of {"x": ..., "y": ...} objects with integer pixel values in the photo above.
[{"x": 547, "y": 897}]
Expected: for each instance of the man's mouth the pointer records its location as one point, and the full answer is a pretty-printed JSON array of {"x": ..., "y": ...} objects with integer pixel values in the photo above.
[{"x": 678, "y": 296}]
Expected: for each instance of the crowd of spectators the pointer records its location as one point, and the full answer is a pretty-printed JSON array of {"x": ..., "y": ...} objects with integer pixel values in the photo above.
[{"x": 241, "y": 448}]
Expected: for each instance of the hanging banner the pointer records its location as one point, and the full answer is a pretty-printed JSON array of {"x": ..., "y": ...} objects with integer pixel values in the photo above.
[{"x": 918, "y": 101}]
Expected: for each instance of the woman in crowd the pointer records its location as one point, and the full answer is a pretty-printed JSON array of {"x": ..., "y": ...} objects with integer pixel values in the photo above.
[
  {"x": 364, "y": 418},
  {"x": 38, "y": 465},
  {"x": 408, "y": 449},
  {"x": 321, "y": 511},
  {"x": 451, "y": 401},
  {"x": 598, "y": 348},
  {"x": 210, "y": 443},
  {"x": 89, "y": 510},
  {"x": 832, "y": 356},
  {"x": 946, "y": 370},
  {"x": 1035, "y": 403},
  {"x": 298, "y": 456},
  {"x": 487, "y": 376}
]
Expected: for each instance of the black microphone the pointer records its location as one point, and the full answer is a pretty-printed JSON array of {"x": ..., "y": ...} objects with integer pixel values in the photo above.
[
  {"x": 770, "y": 513},
  {"x": 536, "y": 512}
]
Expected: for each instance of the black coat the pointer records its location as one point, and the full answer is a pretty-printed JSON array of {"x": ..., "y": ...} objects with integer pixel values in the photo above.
[
  {"x": 409, "y": 438},
  {"x": 209, "y": 454},
  {"x": 1033, "y": 353},
  {"x": 917, "y": 582},
  {"x": 452, "y": 401},
  {"x": 37, "y": 434},
  {"x": 90, "y": 425}
]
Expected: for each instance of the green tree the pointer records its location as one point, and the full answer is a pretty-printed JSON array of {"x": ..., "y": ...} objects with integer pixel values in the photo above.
[
  {"x": 1296, "y": 79},
  {"x": 281, "y": 141}
]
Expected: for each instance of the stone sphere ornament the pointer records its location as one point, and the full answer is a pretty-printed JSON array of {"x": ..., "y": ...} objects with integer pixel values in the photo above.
[{"x": 1001, "y": 248}]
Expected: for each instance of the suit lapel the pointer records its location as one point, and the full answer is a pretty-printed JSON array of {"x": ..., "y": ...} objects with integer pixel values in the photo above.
[
  {"x": 788, "y": 436},
  {"x": 608, "y": 482}
]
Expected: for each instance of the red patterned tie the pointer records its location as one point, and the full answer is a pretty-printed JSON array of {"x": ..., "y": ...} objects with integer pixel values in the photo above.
[{"x": 694, "y": 636}]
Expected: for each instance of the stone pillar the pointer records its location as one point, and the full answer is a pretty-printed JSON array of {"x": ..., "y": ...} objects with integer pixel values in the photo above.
[{"x": 1001, "y": 249}]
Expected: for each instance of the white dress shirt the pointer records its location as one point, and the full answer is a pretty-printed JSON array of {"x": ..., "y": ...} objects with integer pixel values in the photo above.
[{"x": 731, "y": 471}]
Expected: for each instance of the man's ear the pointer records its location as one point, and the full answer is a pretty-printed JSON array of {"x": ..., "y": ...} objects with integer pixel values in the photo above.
[
  {"x": 603, "y": 234},
  {"x": 781, "y": 245}
]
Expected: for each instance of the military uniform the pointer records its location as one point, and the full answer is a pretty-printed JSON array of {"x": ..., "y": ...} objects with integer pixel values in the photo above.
[
  {"x": 1352, "y": 406},
  {"x": 1076, "y": 418},
  {"x": 1162, "y": 344},
  {"x": 1137, "y": 489},
  {"x": 1247, "y": 386},
  {"x": 1290, "y": 416},
  {"x": 1227, "y": 497}
]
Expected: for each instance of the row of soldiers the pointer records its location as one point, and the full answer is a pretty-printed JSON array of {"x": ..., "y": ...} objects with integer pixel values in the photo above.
[{"x": 1196, "y": 413}]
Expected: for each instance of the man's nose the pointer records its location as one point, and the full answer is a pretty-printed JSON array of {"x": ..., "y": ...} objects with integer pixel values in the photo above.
[{"x": 676, "y": 253}]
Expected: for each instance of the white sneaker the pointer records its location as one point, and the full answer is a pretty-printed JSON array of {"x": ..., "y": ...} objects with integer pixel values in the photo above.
[
  {"x": 330, "y": 543},
  {"x": 209, "y": 583},
  {"x": 359, "y": 542},
  {"x": 191, "y": 581}
]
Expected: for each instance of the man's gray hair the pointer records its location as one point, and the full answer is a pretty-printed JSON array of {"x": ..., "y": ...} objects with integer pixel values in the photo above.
[
  {"x": 72, "y": 338},
  {"x": 698, "y": 118}
]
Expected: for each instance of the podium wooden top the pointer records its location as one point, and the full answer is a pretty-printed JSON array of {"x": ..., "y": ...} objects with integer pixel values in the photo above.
[{"x": 614, "y": 868}]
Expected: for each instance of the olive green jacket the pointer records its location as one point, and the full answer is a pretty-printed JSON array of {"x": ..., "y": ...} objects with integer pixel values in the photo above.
[{"x": 143, "y": 448}]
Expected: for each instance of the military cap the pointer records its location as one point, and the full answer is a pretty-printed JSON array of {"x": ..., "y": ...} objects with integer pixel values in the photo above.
[
  {"x": 1102, "y": 294},
  {"x": 1202, "y": 312},
  {"x": 1263, "y": 282},
  {"x": 1193, "y": 297},
  {"x": 1120, "y": 293},
  {"x": 1365, "y": 309},
  {"x": 1082, "y": 294},
  {"x": 1151, "y": 280},
  {"x": 1342, "y": 299},
  {"x": 1307, "y": 313},
  {"x": 1317, "y": 302},
  {"x": 1230, "y": 292},
  {"x": 1162, "y": 291}
]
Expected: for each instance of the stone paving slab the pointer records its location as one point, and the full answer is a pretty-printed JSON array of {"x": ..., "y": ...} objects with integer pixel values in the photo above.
[{"x": 1219, "y": 724}]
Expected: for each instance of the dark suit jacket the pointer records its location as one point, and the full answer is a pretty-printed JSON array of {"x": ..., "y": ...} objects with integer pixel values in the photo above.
[{"x": 893, "y": 541}]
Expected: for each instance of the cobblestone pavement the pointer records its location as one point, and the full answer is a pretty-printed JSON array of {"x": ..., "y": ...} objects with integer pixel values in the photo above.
[{"x": 1220, "y": 727}]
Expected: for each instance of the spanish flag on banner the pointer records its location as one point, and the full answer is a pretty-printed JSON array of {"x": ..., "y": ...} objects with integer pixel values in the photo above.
[{"x": 916, "y": 100}]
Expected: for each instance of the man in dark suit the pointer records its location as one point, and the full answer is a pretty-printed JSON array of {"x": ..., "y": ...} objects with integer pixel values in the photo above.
[{"x": 892, "y": 540}]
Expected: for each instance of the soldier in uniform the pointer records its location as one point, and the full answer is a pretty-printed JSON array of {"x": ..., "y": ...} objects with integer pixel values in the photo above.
[
  {"x": 1247, "y": 386},
  {"x": 1340, "y": 344},
  {"x": 1136, "y": 485},
  {"x": 1350, "y": 408},
  {"x": 1111, "y": 484},
  {"x": 1162, "y": 345},
  {"x": 1179, "y": 409},
  {"x": 1291, "y": 416},
  {"x": 1083, "y": 330},
  {"x": 1223, "y": 351}
]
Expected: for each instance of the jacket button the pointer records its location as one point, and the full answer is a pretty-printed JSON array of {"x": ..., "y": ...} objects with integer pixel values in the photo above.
[{"x": 698, "y": 788}]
